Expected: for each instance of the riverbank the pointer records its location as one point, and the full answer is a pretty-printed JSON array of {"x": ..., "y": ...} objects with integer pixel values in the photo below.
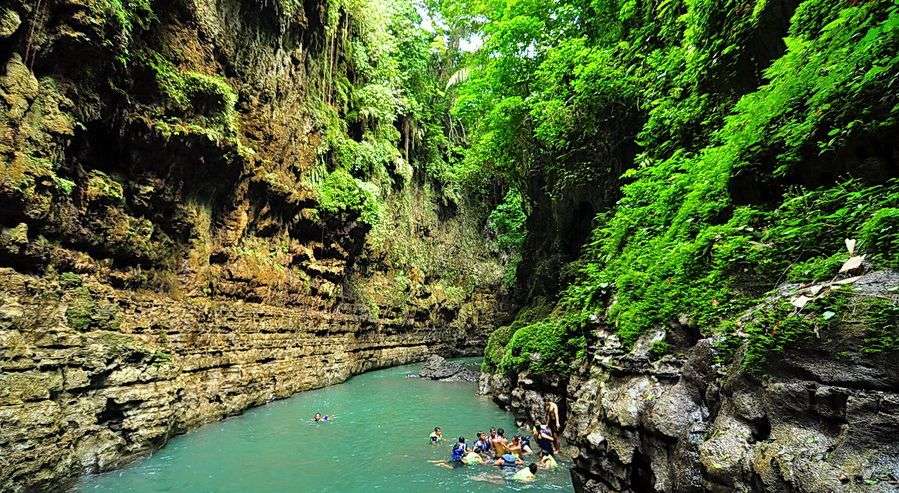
[
  {"x": 92, "y": 377},
  {"x": 377, "y": 441},
  {"x": 820, "y": 417}
]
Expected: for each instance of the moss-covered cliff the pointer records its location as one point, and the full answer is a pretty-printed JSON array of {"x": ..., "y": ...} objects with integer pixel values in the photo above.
[
  {"x": 206, "y": 205},
  {"x": 680, "y": 165}
]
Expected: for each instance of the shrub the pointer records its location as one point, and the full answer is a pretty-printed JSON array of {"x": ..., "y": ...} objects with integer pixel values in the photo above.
[{"x": 340, "y": 193}]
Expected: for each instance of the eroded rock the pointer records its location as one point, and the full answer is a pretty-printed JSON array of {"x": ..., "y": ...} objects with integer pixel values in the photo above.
[{"x": 822, "y": 418}]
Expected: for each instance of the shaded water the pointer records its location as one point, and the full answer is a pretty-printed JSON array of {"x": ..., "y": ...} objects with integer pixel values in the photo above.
[{"x": 377, "y": 441}]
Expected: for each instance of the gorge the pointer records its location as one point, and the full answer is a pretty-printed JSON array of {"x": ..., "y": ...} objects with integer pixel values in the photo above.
[{"x": 676, "y": 219}]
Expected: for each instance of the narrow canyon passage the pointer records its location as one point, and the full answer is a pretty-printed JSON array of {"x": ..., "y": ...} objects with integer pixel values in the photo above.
[
  {"x": 669, "y": 228},
  {"x": 377, "y": 441}
]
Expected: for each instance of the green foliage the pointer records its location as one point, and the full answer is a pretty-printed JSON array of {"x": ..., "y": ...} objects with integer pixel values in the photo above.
[
  {"x": 773, "y": 328},
  {"x": 195, "y": 100},
  {"x": 853, "y": 322},
  {"x": 124, "y": 18},
  {"x": 659, "y": 348},
  {"x": 499, "y": 339},
  {"x": 879, "y": 236},
  {"x": 69, "y": 280},
  {"x": 506, "y": 222},
  {"x": 340, "y": 193},
  {"x": 549, "y": 345},
  {"x": 84, "y": 312},
  {"x": 817, "y": 269},
  {"x": 881, "y": 326},
  {"x": 101, "y": 188},
  {"x": 676, "y": 101},
  {"x": 496, "y": 347}
]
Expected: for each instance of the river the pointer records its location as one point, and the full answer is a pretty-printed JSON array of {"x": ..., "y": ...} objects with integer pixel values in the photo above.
[{"x": 377, "y": 441}]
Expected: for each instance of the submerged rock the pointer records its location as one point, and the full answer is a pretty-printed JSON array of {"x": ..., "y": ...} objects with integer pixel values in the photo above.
[{"x": 438, "y": 368}]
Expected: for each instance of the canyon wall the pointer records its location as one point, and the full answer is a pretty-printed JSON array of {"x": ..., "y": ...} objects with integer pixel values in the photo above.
[
  {"x": 92, "y": 376},
  {"x": 178, "y": 239},
  {"x": 824, "y": 417}
]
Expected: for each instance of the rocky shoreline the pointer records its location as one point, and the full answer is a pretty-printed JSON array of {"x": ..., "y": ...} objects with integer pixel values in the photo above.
[
  {"x": 824, "y": 420},
  {"x": 438, "y": 368}
]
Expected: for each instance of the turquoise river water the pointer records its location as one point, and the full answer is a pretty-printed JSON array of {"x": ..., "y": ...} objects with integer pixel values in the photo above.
[{"x": 377, "y": 441}]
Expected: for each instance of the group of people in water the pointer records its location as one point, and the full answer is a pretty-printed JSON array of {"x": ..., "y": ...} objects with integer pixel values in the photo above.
[{"x": 495, "y": 449}]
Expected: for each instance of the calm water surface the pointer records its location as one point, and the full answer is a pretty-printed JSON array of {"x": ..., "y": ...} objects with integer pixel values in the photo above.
[{"x": 377, "y": 441}]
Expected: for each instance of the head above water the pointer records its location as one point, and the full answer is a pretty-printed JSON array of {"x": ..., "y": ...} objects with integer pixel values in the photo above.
[
  {"x": 501, "y": 432},
  {"x": 461, "y": 439},
  {"x": 533, "y": 467},
  {"x": 317, "y": 416}
]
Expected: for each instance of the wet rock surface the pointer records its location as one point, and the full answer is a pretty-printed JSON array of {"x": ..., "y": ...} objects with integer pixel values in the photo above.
[
  {"x": 822, "y": 418},
  {"x": 438, "y": 368}
]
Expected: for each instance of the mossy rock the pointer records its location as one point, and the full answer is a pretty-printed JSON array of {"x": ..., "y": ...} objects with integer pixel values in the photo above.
[
  {"x": 85, "y": 312},
  {"x": 100, "y": 188},
  {"x": 193, "y": 101},
  {"x": 879, "y": 236},
  {"x": 9, "y": 22}
]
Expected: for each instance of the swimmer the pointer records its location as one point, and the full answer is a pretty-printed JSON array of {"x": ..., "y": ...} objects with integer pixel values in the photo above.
[
  {"x": 482, "y": 445},
  {"x": 436, "y": 435},
  {"x": 459, "y": 450},
  {"x": 472, "y": 458},
  {"x": 514, "y": 447},
  {"x": 547, "y": 461},
  {"x": 527, "y": 474},
  {"x": 317, "y": 417},
  {"x": 508, "y": 460},
  {"x": 498, "y": 442},
  {"x": 456, "y": 458}
]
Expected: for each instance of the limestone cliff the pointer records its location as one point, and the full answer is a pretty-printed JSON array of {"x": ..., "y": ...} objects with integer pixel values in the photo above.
[
  {"x": 822, "y": 418},
  {"x": 177, "y": 240}
]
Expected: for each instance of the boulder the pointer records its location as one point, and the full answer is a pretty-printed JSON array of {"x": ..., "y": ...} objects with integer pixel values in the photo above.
[{"x": 438, "y": 368}]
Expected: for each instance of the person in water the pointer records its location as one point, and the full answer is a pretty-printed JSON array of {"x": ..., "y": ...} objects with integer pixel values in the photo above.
[
  {"x": 482, "y": 446},
  {"x": 459, "y": 450},
  {"x": 514, "y": 447},
  {"x": 527, "y": 474},
  {"x": 526, "y": 445},
  {"x": 472, "y": 457},
  {"x": 457, "y": 456},
  {"x": 317, "y": 417},
  {"x": 547, "y": 461},
  {"x": 508, "y": 460},
  {"x": 436, "y": 435},
  {"x": 498, "y": 442},
  {"x": 544, "y": 437}
]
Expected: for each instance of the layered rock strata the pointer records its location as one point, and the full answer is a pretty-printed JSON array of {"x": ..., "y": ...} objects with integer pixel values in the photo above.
[{"x": 91, "y": 376}]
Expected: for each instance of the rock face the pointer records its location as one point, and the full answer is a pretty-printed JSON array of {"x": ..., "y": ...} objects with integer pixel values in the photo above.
[
  {"x": 438, "y": 368},
  {"x": 165, "y": 257},
  {"x": 91, "y": 376},
  {"x": 823, "y": 417}
]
